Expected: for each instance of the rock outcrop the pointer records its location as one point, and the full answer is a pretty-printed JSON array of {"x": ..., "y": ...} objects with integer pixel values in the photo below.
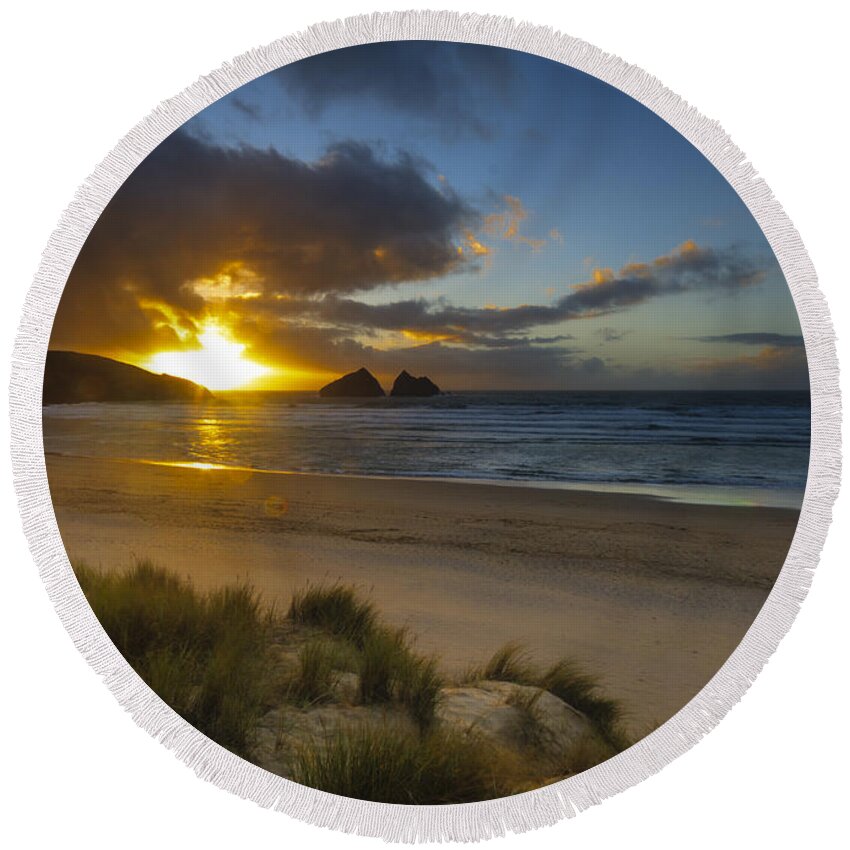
[
  {"x": 359, "y": 384},
  {"x": 522, "y": 720},
  {"x": 500, "y": 712},
  {"x": 74, "y": 378},
  {"x": 406, "y": 385}
]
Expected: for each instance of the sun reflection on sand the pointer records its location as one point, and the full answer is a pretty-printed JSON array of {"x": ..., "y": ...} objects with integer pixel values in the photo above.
[{"x": 191, "y": 464}]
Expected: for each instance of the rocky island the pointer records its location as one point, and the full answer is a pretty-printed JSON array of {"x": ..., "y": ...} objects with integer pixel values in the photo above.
[
  {"x": 359, "y": 384},
  {"x": 406, "y": 385}
]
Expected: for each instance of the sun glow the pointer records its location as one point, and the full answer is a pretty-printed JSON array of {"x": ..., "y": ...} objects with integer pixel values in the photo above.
[{"x": 219, "y": 364}]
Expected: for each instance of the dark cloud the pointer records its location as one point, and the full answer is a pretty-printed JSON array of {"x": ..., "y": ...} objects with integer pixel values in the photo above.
[
  {"x": 449, "y": 84},
  {"x": 277, "y": 248},
  {"x": 251, "y": 110},
  {"x": 523, "y": 364},
  {"x": 689, "y": 268},
  {"x": 473, "y": 345},
  {"x": 513, "y": 363},
  {"x": 776, "y": 340},
  {"x": 350, "y": 221}
]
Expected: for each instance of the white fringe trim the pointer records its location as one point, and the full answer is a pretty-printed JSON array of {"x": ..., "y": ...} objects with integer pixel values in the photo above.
[{"x": 473, "y": 821}]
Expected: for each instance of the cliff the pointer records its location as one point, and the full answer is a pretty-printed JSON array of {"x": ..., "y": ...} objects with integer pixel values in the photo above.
[{"x": 73, "y": 378}]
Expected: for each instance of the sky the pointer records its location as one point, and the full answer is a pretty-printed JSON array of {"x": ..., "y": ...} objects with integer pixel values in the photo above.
[{"x": 492, "y": 219}]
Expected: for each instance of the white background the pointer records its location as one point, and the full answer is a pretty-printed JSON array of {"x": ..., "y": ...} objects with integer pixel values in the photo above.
[{"x": 77, "y": 76}]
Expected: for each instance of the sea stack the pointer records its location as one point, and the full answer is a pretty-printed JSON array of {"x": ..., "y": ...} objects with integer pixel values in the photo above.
[
  {"x": 406, "y": 385},
  {"x": 359, "y": 384}
]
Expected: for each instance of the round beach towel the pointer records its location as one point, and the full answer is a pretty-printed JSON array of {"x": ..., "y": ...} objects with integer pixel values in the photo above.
[{"x": 424, "y": 438}]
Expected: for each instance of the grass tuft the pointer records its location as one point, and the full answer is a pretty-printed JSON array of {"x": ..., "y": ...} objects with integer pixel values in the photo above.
[
  {"x": 380, "y": 664},
  {"x": 583, "y": 754},
  {"x": 390, "y": 670},
  {"x": 317, "y": 673},
  {"x": 203, "y": 654},
  {"x": 532, "y": 732},
  {"x": 393, "y": 764},
  {"x": 566, "y": 680},
  {"x": 335, "y": 609},
  {"x": 419, "y": 686},
  {"x": 510, "y": 663}
]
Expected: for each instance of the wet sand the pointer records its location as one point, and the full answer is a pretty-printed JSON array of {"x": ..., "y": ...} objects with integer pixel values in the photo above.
[{"x": 651, "y": 595}]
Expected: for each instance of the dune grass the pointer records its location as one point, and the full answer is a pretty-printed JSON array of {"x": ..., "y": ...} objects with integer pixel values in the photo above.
[
  {"x": 394, "y": 764},
  {"x": 391, "y": 671},
  {"x": 317, "y": 674},
  {"x": 209, "y": 656},
  {"x": 566, "y": 680},
  {"x": 388, "y": 667},
  {"x": 583, "y": 754},
  {"x": 203, "y": 654},
  {"x": 418, "y": 688},
  {"x": 336, "y": 609},
  {"x": 532, "y": 731}
]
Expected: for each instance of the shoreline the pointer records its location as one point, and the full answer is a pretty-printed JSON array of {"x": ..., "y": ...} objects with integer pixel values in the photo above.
[
  {"x": 651, "y": 595},
  {"x": 717, "y": 495}
]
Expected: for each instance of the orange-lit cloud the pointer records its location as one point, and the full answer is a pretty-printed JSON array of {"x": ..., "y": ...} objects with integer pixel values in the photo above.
[
  {"x": 692, "y": 270},
  {"x": 197, "y": 224},
  {"x": 506, "y": 224},
  {"x": 273, "y": 252},
  {"x": 475, "y": 246}
]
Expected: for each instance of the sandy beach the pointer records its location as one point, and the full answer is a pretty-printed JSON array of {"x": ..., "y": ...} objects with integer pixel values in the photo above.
[{"x": 651, "y": 595}]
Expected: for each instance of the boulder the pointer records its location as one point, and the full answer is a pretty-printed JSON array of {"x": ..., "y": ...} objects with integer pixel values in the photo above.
[
  {"x": 406, "y": 385},
  {"x": 279, "y": 734},
  {"x": 359, "y": 384},
  {"x": 511, "y": 715}
]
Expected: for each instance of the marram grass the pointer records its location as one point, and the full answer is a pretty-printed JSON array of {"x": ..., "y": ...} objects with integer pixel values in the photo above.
[
  {"x": 204, "y": 654},
  {"x": 208, "y": 656}
]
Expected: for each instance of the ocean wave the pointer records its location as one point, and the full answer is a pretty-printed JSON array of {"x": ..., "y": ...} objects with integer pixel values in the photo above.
[{"x": 755, "y": 440}]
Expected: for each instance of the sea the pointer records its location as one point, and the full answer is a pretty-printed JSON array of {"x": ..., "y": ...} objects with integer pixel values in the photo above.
[{"x": 725, "y": 448}]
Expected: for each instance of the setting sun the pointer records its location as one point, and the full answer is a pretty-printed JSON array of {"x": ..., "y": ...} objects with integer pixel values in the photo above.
[{"x": 220, "y": 363}]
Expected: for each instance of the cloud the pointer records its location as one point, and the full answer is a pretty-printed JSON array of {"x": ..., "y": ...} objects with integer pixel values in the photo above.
[
  {"x": 521, "y": 364},
  {"x": 775, "y": 367},
  {"x": 608, "y": 334},
  {"x": 687, "y": 269},
  {"x": 474, "y": 345},
  {"x": 771, "y": 339},
  {"x": 279, "y": 251},
  {"x": 449, "y": 85},
  {"x": 349, "y": 222},
  {"x": 250, "y": 110},
  {"x": 506, "y": 224}
]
